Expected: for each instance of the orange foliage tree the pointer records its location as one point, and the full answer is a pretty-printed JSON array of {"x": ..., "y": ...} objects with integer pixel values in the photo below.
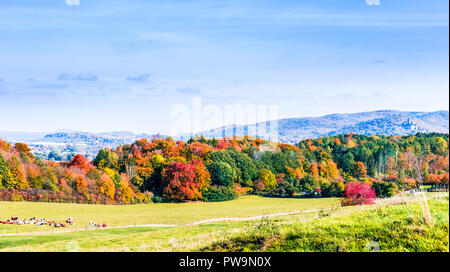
[
  {"x": 180, "y": 181},
  {"x": 80, "y": 162},
  {"x": 361, "y": 171},
  {"x": 106, "y": 186}
]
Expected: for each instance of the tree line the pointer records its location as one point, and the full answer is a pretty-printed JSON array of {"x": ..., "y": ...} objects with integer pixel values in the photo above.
[{"x": 155, "y": 170}]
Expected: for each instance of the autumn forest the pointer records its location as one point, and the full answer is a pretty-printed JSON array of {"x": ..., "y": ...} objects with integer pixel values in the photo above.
[{"x": 164, "y": 170}]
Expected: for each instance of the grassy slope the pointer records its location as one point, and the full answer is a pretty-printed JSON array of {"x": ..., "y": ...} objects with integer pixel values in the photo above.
[
  {"x": 130, "y": 239},
  {"x": 184, "y": 238},
  {"x": 163, "y": 213},
  {"x": 394, "y": 228},
  {"x": 398, "y": 228}
]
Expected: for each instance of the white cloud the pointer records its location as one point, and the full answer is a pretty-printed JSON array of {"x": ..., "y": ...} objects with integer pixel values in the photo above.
[
  {"x": 81, "y": 77},
  {"x": 140, "y": 78}
]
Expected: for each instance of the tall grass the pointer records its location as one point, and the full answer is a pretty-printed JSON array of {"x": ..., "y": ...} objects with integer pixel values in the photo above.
[{"x": 385, "y": 227}]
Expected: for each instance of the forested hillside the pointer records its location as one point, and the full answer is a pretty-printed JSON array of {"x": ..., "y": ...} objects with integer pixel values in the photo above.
[
  {"x": 154, "y": 170},
  {"x": 382, "y": 122}
]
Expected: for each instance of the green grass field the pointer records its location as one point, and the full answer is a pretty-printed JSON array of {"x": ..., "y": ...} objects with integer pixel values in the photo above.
[
  {"x": 394, "y": 228},
  {"x": 161, "y": 213},
  {"x": 181, "y": 238},
  {"x": 389, "y": 228}
]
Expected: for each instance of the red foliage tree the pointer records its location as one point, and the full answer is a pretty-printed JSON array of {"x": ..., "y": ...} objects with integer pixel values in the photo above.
[
  {"x": 358, "y": 193},
  {"x": 80, "y": 162},
  {"x": 180, "y": 183},
  {"x": 199, "y": 149},
  {"x": 223, "y": 144}
]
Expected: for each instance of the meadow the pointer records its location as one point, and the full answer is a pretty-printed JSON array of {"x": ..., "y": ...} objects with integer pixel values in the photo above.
[
  {"x": 155, "y": 213},
  {"x": 390, "y": 227}
]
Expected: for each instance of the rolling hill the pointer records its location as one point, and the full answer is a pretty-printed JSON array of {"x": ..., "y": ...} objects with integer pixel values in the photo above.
[
  {"x": 290, "y": 130},
  {"x": 386, "y": 122}
]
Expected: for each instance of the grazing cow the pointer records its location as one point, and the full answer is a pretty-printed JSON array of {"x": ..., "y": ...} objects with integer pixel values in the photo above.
[
  {"x": 69, "y": 221},
  {"x": 93, "y": 224},
  {"x": 57, "y": 225}
]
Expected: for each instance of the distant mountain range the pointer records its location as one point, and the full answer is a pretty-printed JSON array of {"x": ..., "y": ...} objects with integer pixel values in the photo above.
[
  {"x": 290, "y": 130},
  {"x": 384, "y": 122},
  {"x": 71, "y": 142},
  {"x": 114, "y": 138}
]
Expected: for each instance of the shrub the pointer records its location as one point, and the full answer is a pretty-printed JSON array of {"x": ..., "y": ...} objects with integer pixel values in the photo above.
[
  {"x": 241, "y": 190},
  {"x": 338, "y": 188},
  {"x": 358, "y": 193},
  {"x": 309, "y": 183},
  {"x": 258, "y": 186},
  {"x": 284, "y": 189},
  {"x": 216, "y": 194},
  {"x": 48, "y": 185},
  {"x": 385, "y": 189},
  {"x": 157, "y": 199}
]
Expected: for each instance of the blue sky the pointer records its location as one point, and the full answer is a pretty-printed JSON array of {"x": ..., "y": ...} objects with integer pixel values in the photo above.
[{"x": 122, "y": 65}]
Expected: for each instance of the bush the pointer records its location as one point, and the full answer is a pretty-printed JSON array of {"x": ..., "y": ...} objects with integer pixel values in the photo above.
[
  {"x": 157, "y": 199},
  {"x": 309, "y": 183},
  {"x": 48, "y": 185},
  {"x": 358, "y": 193},
  {"x": 385, "y": 189},
  {"x": 283, "y": 189},
  {"x": 216, "y": 194},
  {"x": 338, "y": 188}
]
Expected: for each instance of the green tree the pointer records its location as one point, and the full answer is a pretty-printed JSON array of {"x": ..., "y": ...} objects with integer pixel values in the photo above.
[
  {"x": 222, "y": 174},
  {"x": 107, "y": 159},
  {"x": 6, "y": 177},
  {"x": 309, "y": 183},
  {"x": 269, "y": 179}
]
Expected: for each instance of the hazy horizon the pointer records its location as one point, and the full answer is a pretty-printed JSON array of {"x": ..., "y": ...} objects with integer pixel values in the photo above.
[{"x": 151, "y": 133}]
